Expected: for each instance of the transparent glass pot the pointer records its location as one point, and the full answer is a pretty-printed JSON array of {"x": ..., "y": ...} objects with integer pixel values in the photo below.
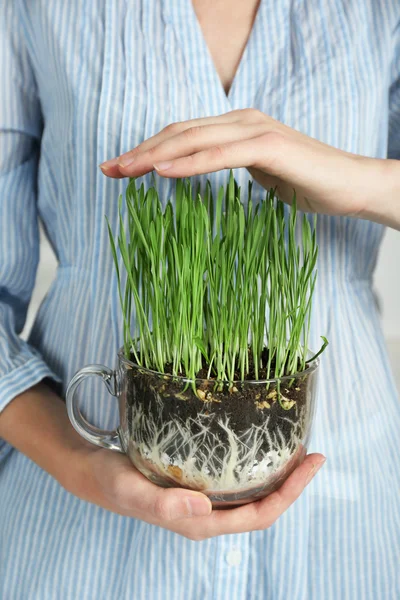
[{"x": 234, "y": 442}]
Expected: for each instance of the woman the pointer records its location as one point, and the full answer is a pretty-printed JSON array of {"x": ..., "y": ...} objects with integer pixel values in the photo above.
[{"x": 82, "y": 82}]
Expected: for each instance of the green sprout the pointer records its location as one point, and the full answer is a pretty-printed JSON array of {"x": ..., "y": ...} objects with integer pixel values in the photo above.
[{"x": 210, "y": 281}]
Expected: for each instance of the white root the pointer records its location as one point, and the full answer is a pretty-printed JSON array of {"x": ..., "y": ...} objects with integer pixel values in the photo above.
[{"x": 215, "y": 458}]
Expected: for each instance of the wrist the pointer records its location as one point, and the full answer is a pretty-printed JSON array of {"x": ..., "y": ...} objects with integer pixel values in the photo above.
[
  {"x": 75, "y": 473},
  {"x": 36, "y": 423},
  {"x": 383, "y": 200}
]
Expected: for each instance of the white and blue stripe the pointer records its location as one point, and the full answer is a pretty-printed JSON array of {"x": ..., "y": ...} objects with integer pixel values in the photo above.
[{"x": 86, "y": 81}]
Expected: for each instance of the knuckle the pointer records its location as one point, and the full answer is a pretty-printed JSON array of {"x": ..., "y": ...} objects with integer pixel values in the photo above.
[
  {"x": 192, "y": 132},
  {"x": 253, "y": 115},
  {"x": 273, "y": 137},
  {"x": 136, "y": 150},
  {"x": 191, "y": 162},
  {"x": 129, "y": 154},
  {"x": 218, "y": 152},
  {"x": 161, "y": 509},
  {"x": 273, "y": 145},
  {"x": 173, "y": 127},
  {"x": 153, "y": 150}
]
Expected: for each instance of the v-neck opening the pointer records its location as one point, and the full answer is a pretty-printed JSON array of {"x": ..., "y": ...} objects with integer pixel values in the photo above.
[
  {"x": 243, "y": 56},
  {"x": 200, "y": 62}
]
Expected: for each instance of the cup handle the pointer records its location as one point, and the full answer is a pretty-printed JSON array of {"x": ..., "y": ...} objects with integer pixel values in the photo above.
[{"x": 91, "y": 433}]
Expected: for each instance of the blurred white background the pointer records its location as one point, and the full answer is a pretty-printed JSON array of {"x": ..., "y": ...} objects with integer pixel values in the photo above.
[{"x": 387, "y": 283}]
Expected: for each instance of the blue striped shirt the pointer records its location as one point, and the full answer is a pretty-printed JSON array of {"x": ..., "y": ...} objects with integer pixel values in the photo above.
[{"x": 81, "y": 82}]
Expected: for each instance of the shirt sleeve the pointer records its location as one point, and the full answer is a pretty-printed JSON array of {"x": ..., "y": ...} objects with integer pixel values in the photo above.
[
  {"x": 21, "y": 365},
  {"x": 394, "y": 99}
]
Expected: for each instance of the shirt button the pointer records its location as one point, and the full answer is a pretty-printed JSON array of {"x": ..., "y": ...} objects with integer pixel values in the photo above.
[{"x": 234, "y": 558}]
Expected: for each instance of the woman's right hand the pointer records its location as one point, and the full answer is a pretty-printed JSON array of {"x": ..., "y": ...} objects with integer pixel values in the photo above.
[{"x": 109, "y": 480}]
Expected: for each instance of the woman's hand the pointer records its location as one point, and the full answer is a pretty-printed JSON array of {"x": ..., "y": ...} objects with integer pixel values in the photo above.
[
  {"x": 326, "y": 180},
  {"x": 36, "y": 423},
  {"x": 109, "y": 480}
]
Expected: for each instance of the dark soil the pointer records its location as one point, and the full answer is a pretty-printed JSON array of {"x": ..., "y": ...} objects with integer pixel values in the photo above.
[{"x": 244, "y": 404}]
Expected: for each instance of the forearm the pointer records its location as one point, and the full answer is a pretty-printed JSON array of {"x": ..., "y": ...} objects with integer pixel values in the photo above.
[
  {"x": 383, "y": 205},
  {"x": 36, "y": 423}
]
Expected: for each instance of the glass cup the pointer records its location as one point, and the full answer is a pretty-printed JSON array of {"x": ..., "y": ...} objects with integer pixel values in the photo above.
[{"x": 235, "y": 442}]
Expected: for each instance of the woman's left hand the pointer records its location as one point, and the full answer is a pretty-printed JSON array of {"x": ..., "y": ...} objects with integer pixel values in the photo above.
[{"x": 326, "y": 180}]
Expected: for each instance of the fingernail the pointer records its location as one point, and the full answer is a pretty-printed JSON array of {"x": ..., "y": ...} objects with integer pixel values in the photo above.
[
  {"x": 163, "y": 166},
  {"x": 314, "y": 470},
  {"x": 198, "y": 506},
  {"x": 125, "y": 161},
  {"x": 108, "y": 164}
]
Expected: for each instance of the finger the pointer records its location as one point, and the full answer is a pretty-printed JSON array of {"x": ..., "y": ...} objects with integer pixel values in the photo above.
[
  {"x": 263, "y": 151},
  {"x": 262, "y": 513},
  {"x": 175, "y": 128},
  {"x": 190, "y": 141},
  {"x": 110, "y": 167},
  {"x": 135, "y": 494}
]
